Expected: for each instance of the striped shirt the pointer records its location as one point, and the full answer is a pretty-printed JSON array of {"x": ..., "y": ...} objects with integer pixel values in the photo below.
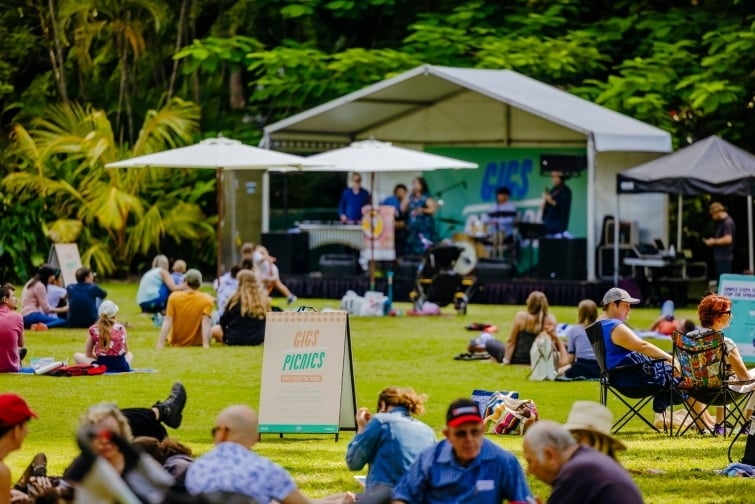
[{"x": 436, "y": 478}]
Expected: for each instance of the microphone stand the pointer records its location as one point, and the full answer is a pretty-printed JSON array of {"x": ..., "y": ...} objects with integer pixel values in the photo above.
[{"x": 439, "y": 194}]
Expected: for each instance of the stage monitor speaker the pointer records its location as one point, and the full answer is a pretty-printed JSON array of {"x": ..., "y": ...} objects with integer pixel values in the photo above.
[
  {"x": 562, "y": 259},
  {"x": 291, "y": 251}
]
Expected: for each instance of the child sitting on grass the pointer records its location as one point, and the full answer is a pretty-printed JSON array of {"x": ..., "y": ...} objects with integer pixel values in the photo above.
[{"x": 106, "y": 343}]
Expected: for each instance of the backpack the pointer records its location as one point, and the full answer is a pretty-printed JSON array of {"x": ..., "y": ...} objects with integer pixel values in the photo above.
[
  {"x": 511, "y": 415},
  {"x": 80, "y": 370},
  {"x": 544, "y": 358}
]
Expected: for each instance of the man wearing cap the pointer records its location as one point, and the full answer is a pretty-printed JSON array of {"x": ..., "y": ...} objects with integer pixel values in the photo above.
[
  {"x": 187, "y": 317},
  {"x": 83, "y": 297},
  {"x": 722, "y": 242},
  {"x": 577, "y": 473},
  {"x": 14, "y": 418},
  {"x": 624, "y": 348},
  {"x": 465, "y": 467},
  {"x": 11, "y": 331}
]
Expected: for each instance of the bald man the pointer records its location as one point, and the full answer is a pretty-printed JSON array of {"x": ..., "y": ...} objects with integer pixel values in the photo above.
[{"x": 233, "y": 467}]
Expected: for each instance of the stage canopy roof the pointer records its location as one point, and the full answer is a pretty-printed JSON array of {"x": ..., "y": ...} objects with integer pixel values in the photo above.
[{"x": 370, "y": 112}]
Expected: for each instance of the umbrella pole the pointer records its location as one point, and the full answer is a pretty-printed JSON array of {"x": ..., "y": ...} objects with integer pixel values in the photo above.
[
  {"x": 679, "y": 201},
  {"x": 372, "y": 231},
  {"x": 220, "y": 201}
]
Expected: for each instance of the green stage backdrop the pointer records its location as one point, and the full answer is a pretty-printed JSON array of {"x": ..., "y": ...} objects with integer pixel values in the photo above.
[{"x": 516, "y": 168}]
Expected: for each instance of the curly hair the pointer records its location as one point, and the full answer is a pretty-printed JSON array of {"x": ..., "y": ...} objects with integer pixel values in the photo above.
[
  {"x": 250, "y": 295},
  {"x": 711, "y": 307},
  {"x": 403, "y": 396},
  {"x": 99, "y": 412}
]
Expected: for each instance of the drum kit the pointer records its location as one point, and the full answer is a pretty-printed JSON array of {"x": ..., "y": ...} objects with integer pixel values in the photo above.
[{"x": 479, "y": 241}]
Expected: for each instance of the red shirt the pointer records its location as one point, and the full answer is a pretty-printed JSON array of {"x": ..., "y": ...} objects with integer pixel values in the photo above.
[{"x": 11, "y": 339}]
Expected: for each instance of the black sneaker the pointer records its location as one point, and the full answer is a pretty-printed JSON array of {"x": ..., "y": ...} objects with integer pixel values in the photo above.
[{"x": 171, "y": 409}]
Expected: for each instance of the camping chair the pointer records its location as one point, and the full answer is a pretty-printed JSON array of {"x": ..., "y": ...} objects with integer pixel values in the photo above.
[
  {"x": 701, "y": 361},
  {"x": 634, "y": 398}
]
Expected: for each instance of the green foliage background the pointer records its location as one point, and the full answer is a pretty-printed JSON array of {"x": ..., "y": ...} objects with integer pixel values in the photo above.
[{"x": 683, "y": 65}]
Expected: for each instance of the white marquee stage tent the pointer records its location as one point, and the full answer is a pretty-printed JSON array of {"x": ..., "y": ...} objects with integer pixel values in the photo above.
[{"x": 433, "y": 106}]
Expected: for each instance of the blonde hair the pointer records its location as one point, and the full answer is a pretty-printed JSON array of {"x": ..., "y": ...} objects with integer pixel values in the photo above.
[
  {"x": 537, "y": 305},
  {"x": 587, "y": 312},
  {"x": 250, "y": 295},
  {"x": 160, "y": 261},
  {"x": 403, "y": 396},
  {"x": 99, "y": 412},
  {"x": 104, "y": 327}
]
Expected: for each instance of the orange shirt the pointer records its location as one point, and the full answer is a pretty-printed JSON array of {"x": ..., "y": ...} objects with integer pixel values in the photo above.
[{"x": 188, "y": 308}]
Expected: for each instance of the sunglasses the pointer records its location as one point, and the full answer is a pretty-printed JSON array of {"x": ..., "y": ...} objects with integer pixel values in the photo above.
[
  {"x": 461, "y": 434},
  {"x": 728, "y": 312}
]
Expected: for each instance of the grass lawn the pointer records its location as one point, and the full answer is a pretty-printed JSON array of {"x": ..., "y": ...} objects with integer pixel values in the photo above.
[{"x": 411, "y": 351}]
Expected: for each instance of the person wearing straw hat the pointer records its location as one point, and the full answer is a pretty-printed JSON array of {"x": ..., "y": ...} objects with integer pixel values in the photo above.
[
  {"x": 590, "y": 423},
  {"x": 722, "y": 241},
  {"x": 106, "y": 342},
  {"x": 578, "y": 474}
]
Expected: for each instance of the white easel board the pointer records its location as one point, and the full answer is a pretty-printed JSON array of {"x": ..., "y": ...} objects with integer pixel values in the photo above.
[
  {"x": 307, "y": 382},
  {"x": 66, "y": 258}
]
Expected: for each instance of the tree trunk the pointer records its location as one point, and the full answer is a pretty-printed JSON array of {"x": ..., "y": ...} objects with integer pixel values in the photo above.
[
  {"x": 56, "y": 57},
  {"x": 179, "y": 42},
  {"x": 236, "y": 90}
]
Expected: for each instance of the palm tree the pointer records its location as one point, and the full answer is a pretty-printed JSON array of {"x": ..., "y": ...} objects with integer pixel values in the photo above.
[{"x": 113, "y": 214}]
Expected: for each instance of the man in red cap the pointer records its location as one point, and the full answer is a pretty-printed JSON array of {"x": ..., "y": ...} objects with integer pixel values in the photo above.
[
  {"x": 465, "y": 467},
  {"x": 14, "y": 417}
]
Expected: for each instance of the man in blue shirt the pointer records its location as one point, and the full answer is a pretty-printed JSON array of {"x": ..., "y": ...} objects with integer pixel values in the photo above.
[
  {"x": 465, "y": 467},
  {"x": 83, "y": 299},
  {"x": 352, "y": 201}
]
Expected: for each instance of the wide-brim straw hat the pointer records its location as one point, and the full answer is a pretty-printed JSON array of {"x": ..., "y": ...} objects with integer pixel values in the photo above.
[{"x": 590, "y": 416}]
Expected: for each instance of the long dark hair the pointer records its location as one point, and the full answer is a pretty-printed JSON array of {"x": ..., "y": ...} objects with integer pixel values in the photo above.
[
  {"x": 43, "y": 275},
  {"x": 423, "y": 184}
]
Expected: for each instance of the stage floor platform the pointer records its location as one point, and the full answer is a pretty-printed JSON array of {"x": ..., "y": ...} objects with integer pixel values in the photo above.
[{"x": 511, "y": 292}]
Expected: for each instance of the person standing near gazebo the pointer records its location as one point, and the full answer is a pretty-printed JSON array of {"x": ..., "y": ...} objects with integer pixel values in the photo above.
[
  {"x": 722, "y": 241},
  {"x": 353, "y": 199}
]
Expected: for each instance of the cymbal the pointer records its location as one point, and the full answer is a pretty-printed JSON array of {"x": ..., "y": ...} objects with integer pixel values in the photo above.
[
  {"x": 448, "y": 220},
  {"x": 503, "y": 213}
]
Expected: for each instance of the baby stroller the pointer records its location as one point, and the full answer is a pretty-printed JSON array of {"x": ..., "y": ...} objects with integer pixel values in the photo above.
[{"x": 444, "y": 276}]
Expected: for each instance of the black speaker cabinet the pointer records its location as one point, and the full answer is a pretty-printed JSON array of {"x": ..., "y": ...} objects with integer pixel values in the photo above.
[
  {"x": 604, "y": 261},
  {"x": 291, "y": 250},
  {"x": 562, "y": 259}
]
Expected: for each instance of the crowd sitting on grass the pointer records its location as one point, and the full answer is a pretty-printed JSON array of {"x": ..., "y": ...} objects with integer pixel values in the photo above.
[{"x": 126, "y": 452}]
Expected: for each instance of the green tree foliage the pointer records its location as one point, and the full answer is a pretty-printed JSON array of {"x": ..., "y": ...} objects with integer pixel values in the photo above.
[
  {"x": 114, "y": 214},
  {"x": 683, "y": 65}
]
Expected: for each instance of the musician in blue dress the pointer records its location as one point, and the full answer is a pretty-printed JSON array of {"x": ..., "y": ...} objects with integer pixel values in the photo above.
[{"x": 420, "y": 208}]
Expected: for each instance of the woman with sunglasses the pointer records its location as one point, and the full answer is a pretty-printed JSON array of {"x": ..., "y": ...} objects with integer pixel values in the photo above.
[{"x": 714, "y": 312}]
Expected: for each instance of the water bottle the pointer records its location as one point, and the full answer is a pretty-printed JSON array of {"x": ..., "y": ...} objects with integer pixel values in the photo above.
[{"x": 672, "y": 251}]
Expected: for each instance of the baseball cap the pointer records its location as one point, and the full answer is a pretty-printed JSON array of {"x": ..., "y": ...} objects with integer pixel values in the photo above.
[
  {"x": 14, "y": 410},
  {"x": 193, "y": 277},
  {"x": 108, "y": 308},
  {"x": 616, "y": 294},
  {"x": 463, "y": 411}
]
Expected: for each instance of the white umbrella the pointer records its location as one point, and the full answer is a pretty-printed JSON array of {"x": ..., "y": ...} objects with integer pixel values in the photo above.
[
  {"x": 371, "y": 156},
  {"x": 217, "y": 154}
]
